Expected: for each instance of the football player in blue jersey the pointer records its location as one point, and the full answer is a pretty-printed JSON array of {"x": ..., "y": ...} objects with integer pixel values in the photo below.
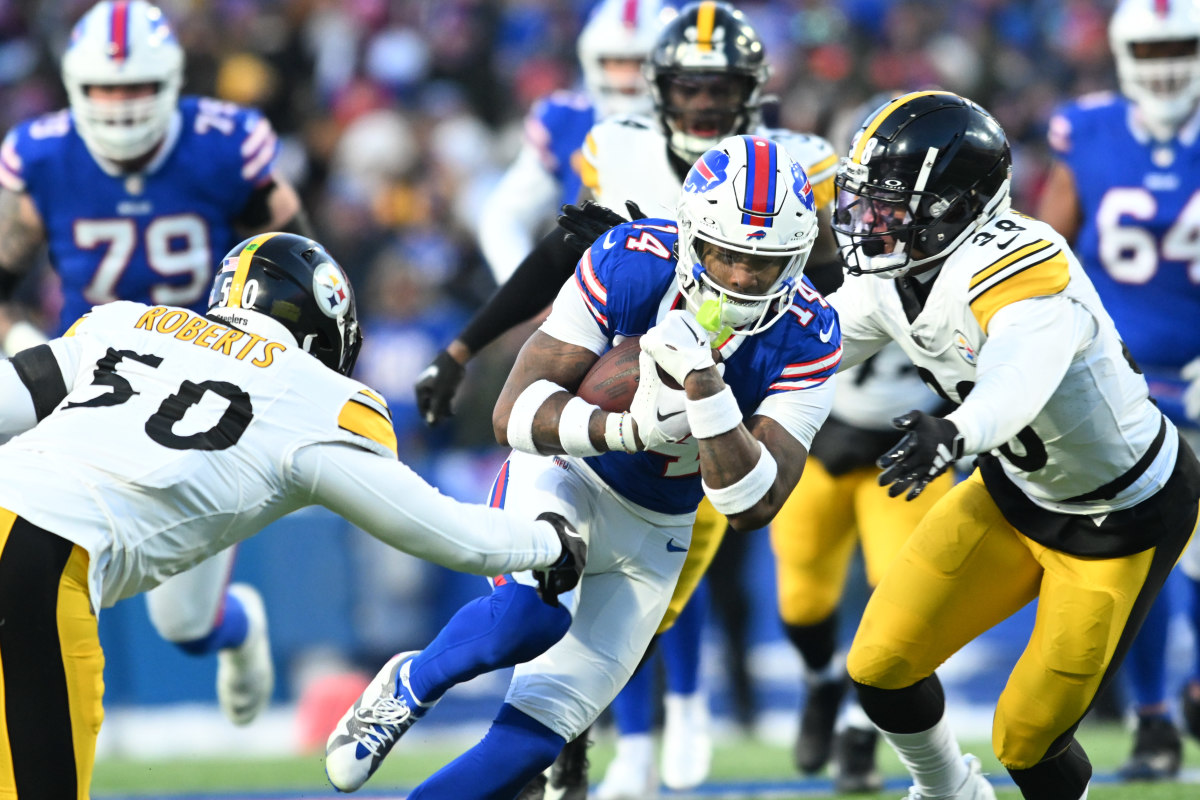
[
  {"x": 1125, "y": 192},
  {"x": 136, "y": 192},
  {"x": 612, "y": 46},
  {"x": 737, "y": 432}
]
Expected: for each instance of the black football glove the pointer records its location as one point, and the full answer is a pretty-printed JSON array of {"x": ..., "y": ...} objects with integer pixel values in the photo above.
[
  {"x": 436, "y": 386},
  {"x": 930, "y": 447},
  {"x": 563, "y": 575},
  {"x": 586, "y": 223}
]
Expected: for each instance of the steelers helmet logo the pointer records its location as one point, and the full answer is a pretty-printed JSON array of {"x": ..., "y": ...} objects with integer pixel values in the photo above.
[{"x": 331, "y": 290}]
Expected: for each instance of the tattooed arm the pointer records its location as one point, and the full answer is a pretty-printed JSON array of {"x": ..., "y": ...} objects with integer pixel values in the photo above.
[
  {"x": 21, "y": 236},
  {"x": 727, "y": 458},
  {"x": 544, "y": 358}
]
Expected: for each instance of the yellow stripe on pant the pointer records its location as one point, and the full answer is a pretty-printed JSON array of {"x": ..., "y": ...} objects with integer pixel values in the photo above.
[{"x": 51, "y": 665}]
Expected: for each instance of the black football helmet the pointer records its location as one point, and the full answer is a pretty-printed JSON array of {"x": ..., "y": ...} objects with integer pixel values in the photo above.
[
  {"x": 292, "y": 280},
  {"x": 709, "y": 48},
  {"x": 924, "y": 172}
]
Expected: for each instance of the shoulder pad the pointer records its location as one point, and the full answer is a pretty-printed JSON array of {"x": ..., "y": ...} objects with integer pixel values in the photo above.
[
  {"x": 1036, "y": 268},
  {"x": 366, "y": 414}
]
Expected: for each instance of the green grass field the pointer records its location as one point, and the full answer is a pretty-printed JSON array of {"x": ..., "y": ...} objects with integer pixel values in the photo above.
[{"x": 740, "y": 761}]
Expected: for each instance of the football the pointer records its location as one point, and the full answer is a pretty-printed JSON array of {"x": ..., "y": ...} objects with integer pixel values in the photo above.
[{"x": 613, "y": 380}]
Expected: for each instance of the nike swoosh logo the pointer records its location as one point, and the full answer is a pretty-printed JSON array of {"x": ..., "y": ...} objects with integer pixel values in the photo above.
[
  {"x": 662, "y": 418},
  {"x": 674, "y": 548},
  {"x": 826, "y": 335},
  {"x": 1006, "y": 244},
  {"x": 608, "y": 241}
]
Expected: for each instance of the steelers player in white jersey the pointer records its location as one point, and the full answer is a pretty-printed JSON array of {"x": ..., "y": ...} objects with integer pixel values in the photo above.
[
  {"x": 1084, "y": 496},
  {"x": 148, "y": 438}
]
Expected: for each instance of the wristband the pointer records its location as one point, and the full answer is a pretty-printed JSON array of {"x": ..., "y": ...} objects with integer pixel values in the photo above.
[
  {"x": 573, "y": 424},
  {"x": 713, "y": 415},
  {"x": 749, "y": 489},
  {"x": 520, "y": 419},
  {"x": 618, "y": 433}
]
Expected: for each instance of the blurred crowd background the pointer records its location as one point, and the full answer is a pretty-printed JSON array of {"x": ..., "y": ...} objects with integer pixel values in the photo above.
[{"x": 397, "y": 117}]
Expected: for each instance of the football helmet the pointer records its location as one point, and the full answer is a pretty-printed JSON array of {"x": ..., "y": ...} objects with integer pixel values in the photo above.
[
  {"x": 708, "y": 49},
  {"x": 924, "y": 172},
  {"x": 750, "y": 200},
  {"x": 618, "y": 29},
  {"x": 292, "y": 280},
  {"x": 123, "y": 42},
  {"x": 1165, "y": 84}
]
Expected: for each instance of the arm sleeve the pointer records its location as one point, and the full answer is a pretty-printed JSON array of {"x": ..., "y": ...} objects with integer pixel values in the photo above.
[
  {"x": 530, "y": 289},
  {"x": 861, "y": 337},
  {"x": 17, "y": 412},
  {"x": 522, "y": 200},
  {"x": 1030, "y": 346},
  {"x": 801, "y": 413},
  {"x": 34, "y": 382},
  {"x": 572, "y": 322},
  {"x": 395, "y": 505}
]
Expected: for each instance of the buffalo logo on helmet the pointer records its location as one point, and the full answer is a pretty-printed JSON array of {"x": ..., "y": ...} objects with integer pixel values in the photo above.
[
  {"x": 332, "y": 289},
  {"x": 802, "y": 186},
  {"x": 756, "y": 235},
  {"x": 707, "y": 173}
]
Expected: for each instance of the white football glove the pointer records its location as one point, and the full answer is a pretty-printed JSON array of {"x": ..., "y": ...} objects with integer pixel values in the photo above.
[
  {"x": 658, "y": 411},
  {"x": 1191, "y": 395},
  {"x": 679, "y": 344}
]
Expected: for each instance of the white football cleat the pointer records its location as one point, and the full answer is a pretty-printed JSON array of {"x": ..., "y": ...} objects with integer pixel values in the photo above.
[
  {"x": 245, "y": 674},
  {"x": 687, "y": 742},
  {"x": 630, "y": 775},
  {"x": 372, "y": 726},
  {"x": 974, "y": 787}
]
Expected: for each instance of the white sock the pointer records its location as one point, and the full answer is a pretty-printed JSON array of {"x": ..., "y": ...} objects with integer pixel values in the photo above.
[
  {"x": 932, "y": 757},
  {"x": 637, "y": 748}
]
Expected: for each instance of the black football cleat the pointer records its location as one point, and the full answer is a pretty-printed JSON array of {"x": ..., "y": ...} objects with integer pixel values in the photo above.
[
  {"x": 814, "y": 744},
  {"x": 854, "y": 769},
  {"x": 1157, "y": 752}
]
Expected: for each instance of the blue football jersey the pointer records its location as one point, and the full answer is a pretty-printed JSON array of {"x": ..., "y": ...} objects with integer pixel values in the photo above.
[
  {"x": 154, "y": 237},
  {"x": 627, "y": 279},
  {"x": 557, "y": 126},
  {"x": 1140, "y": 239}
]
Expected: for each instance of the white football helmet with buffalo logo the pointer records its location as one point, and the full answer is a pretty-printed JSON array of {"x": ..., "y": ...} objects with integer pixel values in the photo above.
[
  {"x": 123, "y": 42},
  {"x": 619, "y": 29},
  {"x": 1156, "y": 44},
  {"x": 746, "y": 196}
]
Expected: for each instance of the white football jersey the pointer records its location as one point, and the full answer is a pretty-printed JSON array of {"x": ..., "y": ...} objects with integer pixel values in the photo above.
[
  {"x": 626, "y": 158},
  {"x": 173, "y": 436},
  {"x": 1098, "y": 421}
]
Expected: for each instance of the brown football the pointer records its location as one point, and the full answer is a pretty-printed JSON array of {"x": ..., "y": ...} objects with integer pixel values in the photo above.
[{"x": 613, "y": 380}]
